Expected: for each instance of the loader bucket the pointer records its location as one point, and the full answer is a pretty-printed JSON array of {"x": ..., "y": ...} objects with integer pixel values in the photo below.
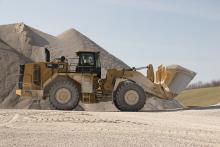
[{"x": 174, "y": 79}]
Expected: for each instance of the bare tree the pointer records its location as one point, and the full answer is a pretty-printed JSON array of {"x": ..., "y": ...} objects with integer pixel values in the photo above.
[{"x": 214, "y": 83}]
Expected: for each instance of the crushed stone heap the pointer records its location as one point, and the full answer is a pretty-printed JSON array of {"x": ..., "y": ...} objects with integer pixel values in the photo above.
[{"x": 20, "y": 44}]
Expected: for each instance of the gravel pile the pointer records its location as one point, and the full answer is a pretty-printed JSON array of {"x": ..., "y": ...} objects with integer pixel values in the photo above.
[{"x": 20, "y": 44}]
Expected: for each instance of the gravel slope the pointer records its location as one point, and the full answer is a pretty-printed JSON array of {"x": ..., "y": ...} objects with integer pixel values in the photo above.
[
  {"x": 20, "y": 44},
  {"x": 59, "y": 128}
]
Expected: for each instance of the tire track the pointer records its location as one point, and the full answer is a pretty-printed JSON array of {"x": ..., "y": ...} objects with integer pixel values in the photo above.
[
  {"x": 84, "y": 118},
  {"x": 10, "y": 123}
]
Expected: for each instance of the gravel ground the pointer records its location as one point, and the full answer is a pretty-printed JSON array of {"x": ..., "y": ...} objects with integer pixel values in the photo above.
[{"x": 38, "y": 128}]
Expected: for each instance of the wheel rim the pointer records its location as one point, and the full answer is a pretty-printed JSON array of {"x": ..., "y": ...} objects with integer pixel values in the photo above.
[
  {"x": 131, "y": 97},
  {"x": 63, "y": 95}
]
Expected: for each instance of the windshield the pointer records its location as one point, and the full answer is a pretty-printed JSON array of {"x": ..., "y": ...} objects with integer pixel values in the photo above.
[{"x": 87, "y": 59}]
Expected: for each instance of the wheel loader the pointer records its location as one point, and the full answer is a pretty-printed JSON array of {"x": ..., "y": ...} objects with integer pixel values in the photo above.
[{"x": 65, "y": 83}]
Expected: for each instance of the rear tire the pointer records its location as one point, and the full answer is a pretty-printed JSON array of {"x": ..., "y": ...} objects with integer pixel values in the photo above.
[
  {"x": 64, "y": 94},
  {"x": 129, "y": 97}
]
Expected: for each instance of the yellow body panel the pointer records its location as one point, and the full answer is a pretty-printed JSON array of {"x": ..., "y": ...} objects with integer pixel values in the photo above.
[{"x": 18, "y": 92}]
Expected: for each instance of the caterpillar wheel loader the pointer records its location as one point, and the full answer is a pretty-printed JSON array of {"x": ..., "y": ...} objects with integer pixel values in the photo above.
[{"x": 66, "y": 83}]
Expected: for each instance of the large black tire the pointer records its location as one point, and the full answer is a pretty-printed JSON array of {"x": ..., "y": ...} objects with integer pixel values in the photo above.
[
  {"x": 64, "y": 94},
  {"x": 129, "y": 97}
]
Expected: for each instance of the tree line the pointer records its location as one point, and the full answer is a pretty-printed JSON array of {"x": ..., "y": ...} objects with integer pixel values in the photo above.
[{"x": 214, "y": 83}]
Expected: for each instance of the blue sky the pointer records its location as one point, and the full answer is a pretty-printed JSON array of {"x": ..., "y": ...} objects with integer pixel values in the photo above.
[{"x": 185, "y": 32}]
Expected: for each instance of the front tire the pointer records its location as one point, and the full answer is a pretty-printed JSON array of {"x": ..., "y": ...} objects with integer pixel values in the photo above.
[
  {"x": 129, "y": 97},
  {"x": 64, "y": 94}
]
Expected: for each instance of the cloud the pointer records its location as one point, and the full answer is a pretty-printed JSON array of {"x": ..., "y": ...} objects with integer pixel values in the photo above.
[
  {"x": 195, "y": 8},
  {"x": 192, "y": 8}
]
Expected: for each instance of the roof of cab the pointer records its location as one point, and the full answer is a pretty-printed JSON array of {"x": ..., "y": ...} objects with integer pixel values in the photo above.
[{"x": 80, "y": 52}]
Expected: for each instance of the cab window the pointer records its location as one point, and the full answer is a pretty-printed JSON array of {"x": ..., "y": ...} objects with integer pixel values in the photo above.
[{"x": 87, "y": 60}]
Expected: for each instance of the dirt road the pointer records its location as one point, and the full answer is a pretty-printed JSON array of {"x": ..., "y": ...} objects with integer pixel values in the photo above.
[{"x": 59, "y": 128}]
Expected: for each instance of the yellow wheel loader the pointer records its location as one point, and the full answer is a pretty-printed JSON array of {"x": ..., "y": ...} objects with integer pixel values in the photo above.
[{"x": 65, "y": 83}]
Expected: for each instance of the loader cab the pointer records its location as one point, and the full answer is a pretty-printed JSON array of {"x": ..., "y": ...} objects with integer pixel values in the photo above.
[{"x": 89, "y": 62}]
